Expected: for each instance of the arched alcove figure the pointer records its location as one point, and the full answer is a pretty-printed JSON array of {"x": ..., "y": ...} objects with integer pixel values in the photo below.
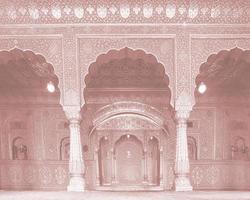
[
  {"x": 19, "y": 149},
  {"x": 240, "y": 151}
]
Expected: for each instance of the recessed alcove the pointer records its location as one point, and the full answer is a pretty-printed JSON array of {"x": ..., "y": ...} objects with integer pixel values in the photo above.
[
  {"x": 222, "y": 136},
  {"x": 30, "y": 118},
  {"x": 127, "y": 101}
]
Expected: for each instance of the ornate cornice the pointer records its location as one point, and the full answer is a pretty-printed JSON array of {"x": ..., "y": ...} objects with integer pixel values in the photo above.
[{"x": 137, "y": 12}]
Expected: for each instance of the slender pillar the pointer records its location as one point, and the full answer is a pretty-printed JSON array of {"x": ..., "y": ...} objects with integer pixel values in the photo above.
[
  {"x": 76, "y": 163},
  {"x": 161, "y": 166},
  {"x": 182, "y": 181},
  {"x": 97, "y": 167},
  {"x": 145, "y": 166},
  {"x": 113, "y": 170}
]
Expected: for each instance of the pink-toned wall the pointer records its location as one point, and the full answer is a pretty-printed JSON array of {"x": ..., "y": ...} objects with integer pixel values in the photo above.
[
  {"x": 42, "y": 128},
  {"x": 71, "y": 37},
  {"x": 214, "y": 127}
]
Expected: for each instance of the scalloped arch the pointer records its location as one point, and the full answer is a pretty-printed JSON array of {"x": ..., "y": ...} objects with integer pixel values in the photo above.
[
  {"x": 125, "y": 53},
  {"x": 235, "y": 54},
  {"x": 17, "y": 54}
]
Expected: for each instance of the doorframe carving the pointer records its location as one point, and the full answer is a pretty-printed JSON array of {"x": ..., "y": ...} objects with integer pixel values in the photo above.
[{"x": 137, "y": 109}]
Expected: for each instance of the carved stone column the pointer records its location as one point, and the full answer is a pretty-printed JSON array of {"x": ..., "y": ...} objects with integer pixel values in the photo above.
[
  {"x": 97, "y": 167},
  {"x": 76, "y": 163},
  {"x": 145, "y": 166},
  {"x": 161, "y": 166},
  {"x": 182, "y": 181},
  {"x": 113, "y": 164}
]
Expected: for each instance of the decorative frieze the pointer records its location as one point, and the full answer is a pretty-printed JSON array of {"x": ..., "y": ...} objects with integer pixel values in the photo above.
[{"x": 123, "y": 12}]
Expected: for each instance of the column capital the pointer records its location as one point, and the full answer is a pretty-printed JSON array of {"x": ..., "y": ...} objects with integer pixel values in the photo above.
[
  {"x": 183, "y": 106},
  {"x": 73, "y": 113},
  {"x": 182, "y": 114},
  {"x": 184, "y": 102}
]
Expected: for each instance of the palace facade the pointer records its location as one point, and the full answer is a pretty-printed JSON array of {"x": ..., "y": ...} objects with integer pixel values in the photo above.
[{"x": 126, "y": 95}]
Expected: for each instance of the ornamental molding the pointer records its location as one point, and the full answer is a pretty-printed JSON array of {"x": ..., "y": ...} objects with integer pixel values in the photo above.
[
  {"x": 128, "y": 107},
  {"x": 57, "y": 12}
]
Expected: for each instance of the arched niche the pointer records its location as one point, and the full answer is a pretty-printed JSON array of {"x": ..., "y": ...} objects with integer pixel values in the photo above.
[
  {"x": 192, "y": 148},
  {"x": 108, "y": 135},
  {"x": 129, "y": 155},
  {"x": 16, "y": 124},
  {"x": 64, "y": 148},
  {"x": 19, "y": 149},
  {"x": 240, "y": 150},
  {"x": 126, "y": 91}
]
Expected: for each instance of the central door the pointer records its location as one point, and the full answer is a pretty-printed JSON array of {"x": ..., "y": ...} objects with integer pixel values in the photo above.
[{"x": 129, "y": 161}]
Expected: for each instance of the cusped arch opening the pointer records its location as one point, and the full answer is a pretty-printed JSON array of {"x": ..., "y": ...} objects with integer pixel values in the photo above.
[
  {"x": 126, "y": 69},
  {"x": 26, "y": 74},
  {"x": 225, "y": 74},
  {"x": 127, "y": 96}
]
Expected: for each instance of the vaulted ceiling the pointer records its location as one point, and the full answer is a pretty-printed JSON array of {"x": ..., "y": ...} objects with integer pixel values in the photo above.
[
  {"x": 226, "y": 73},
  {"x": 24, "y": 71}
]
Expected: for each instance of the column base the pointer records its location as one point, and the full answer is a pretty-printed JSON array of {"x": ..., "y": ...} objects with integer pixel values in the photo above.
[
  {"x": 76, "y": 184},
  {"x": 182, "y": 184}
]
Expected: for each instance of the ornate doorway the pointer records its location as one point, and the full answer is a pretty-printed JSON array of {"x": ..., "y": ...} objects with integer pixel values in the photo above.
[
  {"x": 129, "y": 161},
  {"x": 129, "y": 158}
]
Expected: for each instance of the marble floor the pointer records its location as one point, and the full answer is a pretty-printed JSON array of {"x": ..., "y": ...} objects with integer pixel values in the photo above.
[{"x": 197, "y": 195}]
